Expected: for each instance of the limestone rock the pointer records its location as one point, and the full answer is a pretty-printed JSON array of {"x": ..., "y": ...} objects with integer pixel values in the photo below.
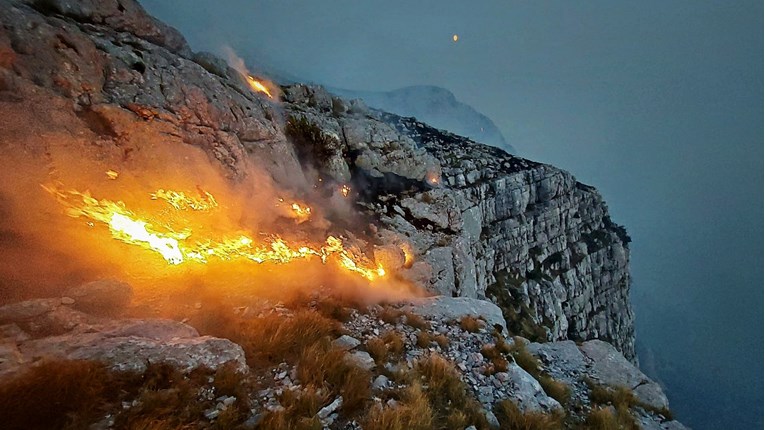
[
  {"x": 611, "y": 368},
  {"x": 527, "y": 393},
  {"x": 361, "y": 359},
  {"x": 346, "y": 342},
  {"x": 106, "y": 296},
  {"x": 124, "y": 348}
]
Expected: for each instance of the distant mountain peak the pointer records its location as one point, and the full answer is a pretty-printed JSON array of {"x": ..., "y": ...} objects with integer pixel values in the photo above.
[{"x": 436, "y": 106}]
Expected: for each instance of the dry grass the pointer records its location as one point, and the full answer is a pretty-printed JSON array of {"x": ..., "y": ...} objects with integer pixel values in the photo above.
[
  {"x": 300, "y": 408},
  {"x": 378, "y": 349},
  {"x": 448, "y": 395},
  {"x": 424, "y": 339},
  {"x": 55, "y": 394},
  {"x": 395, "y": 342},
  {"x": 606, "y": 418},
  {"x": 389, "y": 315},
  {"x": 413, "y": 412},
  {"x": 558, "y": 390},
  {"x": 442, "y": 341},
  {"x": 524, "y": 359},
  {"x": 273, "y": 338},
  {"x": 510, "y": 417},
  {"x": 415, "y": 321},
  {"x": 621, "y": 397},
  {"x": 471, "y": 324},
  {"x": 327, "y": 367}
]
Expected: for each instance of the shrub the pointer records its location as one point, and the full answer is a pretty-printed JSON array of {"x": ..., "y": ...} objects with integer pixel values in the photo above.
[
  {"x": 442, "y": 341},
  {"x": 524, "y": 359},
  {"x": 423, "y": 339},
  {"x": 416, "y": 321},
  {"x": 395, "y": 342},
  {"x": 56, "y": 394},
  {"x": 389, "y": 315},
  {"x": 413, "y": 412},
  {"x": 606, "y": 418},
  {"x": 510, "y": 417},
  {"x": 471, "y": 324},
  {"x": 320, "y": 365},
  {"x": 558, "y": 390},
  {"x": 377, "y": 348},
  {"x": 273, "y": 338}
]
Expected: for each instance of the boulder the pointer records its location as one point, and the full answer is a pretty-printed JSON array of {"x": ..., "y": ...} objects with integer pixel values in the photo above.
[
  {"x": 609, "y": 367},
  {"x": 527, "y": 393},
  {"x": 105, "y": 297},
  {"x": 132, "y": 344}
]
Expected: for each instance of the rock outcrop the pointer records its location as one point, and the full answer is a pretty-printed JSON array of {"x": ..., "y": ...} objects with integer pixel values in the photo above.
[
  {"x": 49, "y": 329},
  {"x": 106, "y": 81},
  {"x": 490, "y": 225}
]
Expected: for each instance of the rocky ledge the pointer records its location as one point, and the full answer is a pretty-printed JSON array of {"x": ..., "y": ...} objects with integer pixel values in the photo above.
[{"x": 386, "y": 342}]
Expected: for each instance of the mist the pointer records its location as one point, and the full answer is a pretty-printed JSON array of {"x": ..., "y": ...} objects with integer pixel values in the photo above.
[{"x": 657, "y": 104}]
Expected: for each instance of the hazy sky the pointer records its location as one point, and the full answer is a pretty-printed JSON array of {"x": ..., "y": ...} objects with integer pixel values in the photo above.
[{"x": 656, "y": 103}]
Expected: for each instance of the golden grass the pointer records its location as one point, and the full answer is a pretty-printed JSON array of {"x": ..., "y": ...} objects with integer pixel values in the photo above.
[
  {"x": 470, "y": 323},
  {"x": 510, "y": 417},
  {"x": 423, "y": 339},
  {"x": 415, "y": 321},
  {"x": 449, "y": 397},
  {"x": 558, "y": 390},
  {"x": 442, "y": 341},
  {"x": 389, "y": 315},
  {"x": 324, "y": 366},
  {"x": 395, "y": 342},
  {"x": 273, "y": 338},
  {"x": 55, "y": 394},
  {"x": 300, "y": 408},
  {"x": 377, "y": 349},
  {"x": 524, "y": 359},
  {"x": 413, "y": 412}
]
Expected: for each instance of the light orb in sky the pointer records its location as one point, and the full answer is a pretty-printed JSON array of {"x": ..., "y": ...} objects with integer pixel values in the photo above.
[{"x": 455, "y": 38}]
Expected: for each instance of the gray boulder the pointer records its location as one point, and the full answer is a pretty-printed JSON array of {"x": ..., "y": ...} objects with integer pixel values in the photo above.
[
  {"x": 132, "y": 344},
  {"x": 609, "y": 367},
  {"x": 105, "y": 296}
]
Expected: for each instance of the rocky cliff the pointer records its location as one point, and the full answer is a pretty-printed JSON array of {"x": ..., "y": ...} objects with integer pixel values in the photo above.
[{"x": 106, "y": 81}]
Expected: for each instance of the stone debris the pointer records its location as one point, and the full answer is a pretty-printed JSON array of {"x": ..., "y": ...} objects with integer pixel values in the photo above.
[{"x": 345, "y": 342}]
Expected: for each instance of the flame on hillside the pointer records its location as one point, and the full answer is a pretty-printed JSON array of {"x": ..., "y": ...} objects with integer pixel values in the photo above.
[
  {"x": 182, "y": 244},
  {"x": 258, "y": 86}
]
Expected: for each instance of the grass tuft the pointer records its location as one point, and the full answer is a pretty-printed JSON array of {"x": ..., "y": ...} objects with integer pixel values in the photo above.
[
  {"x": 415, "y": 321},
  {"x": 470, "y": 323},
  {"x": 510, "y": 417}
]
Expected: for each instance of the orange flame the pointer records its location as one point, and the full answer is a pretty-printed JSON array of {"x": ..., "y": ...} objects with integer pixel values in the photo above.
[
  {"x": 344, "y": 190},
  {"x": 258, "y": 86},
  {"x": 177, "y": 247}
]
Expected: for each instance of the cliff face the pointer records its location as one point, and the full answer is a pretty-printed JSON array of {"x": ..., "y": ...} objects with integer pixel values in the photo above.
[
  {"x": 485, "y": 224},
  {"x": 491, "y": 225}
]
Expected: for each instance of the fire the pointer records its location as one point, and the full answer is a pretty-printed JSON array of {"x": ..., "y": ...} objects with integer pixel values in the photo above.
[
  {"x": 179, "y": 200},
  {"x": 302, "y": 213},
  {"x": 258, "y": 86},
  {"x": 183, "y": 246},
  {"x": 433, "y": 178},
  {"x": 344, "y": 190},
  {"x": 111, "y": 174}
]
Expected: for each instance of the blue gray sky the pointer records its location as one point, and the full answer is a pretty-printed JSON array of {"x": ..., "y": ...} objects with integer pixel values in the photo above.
[{"x": 656, "y": 103}]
